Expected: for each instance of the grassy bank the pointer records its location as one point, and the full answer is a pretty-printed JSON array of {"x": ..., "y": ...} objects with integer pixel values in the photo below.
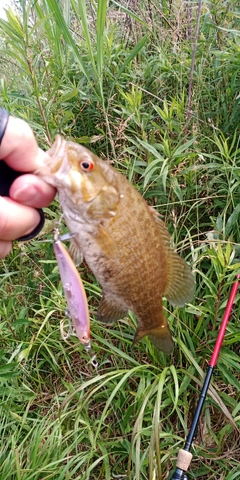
[{"x": 118, "y": 79}]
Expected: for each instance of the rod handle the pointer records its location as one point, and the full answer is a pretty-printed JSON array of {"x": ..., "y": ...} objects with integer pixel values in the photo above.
[{"x": 184, "y": 459}]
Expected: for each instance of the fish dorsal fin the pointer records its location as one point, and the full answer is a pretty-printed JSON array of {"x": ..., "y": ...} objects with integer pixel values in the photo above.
[
  {"x": 109, "y": 311},
  {"x": 180, "y": 280},
  {"x": 162, "y": 227}
]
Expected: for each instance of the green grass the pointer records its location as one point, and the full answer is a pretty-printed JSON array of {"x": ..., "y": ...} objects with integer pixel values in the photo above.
[{"x": 116, "y": 79}]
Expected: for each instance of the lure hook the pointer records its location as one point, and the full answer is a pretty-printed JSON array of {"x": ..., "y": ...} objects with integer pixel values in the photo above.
[{"x": 93, "y": 360}]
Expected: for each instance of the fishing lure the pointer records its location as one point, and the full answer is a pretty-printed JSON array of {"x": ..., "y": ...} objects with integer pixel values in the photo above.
[{"x": 74, "y": 291}]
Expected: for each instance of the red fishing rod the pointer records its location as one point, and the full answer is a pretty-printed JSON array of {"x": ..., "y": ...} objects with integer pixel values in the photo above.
[{"x": 184, "y": 455}]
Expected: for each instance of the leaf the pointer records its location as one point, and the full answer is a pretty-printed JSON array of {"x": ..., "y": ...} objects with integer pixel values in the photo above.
[
  {"x": 176, "y": 188},
  {"x": 8, "y": 371},
  {"x": 24, "y": 353},
  {"x": 151, "y": 170},
  {"x": 85, "y": 26},
  {"x": 232, "y": 220},
  {"x": 101, "y": 18},
  {"x": 229, "y": 377},
  {"x": 151, "y": 149},
  {"x": 179, "y": 151},
  {"x": 74, "y": 92},
  {"x": 58, "y": 16},
  {"x": 128, "y": 60},
  {"x": 130, "y": 13}
]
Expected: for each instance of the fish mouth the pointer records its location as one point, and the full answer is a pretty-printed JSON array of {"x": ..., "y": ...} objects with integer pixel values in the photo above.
[
  {"x": 54, "y": 161},
  {"x": 54, "y": 150}
]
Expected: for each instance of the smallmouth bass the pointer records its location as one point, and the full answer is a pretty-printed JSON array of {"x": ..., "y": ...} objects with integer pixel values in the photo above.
[{"x": 122, "y": 239}]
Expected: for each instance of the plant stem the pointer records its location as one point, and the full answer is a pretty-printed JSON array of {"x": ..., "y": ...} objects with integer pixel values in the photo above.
[{"x": 189, "y": 104}]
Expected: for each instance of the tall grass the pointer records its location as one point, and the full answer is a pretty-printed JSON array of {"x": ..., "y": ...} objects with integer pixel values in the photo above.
[{"x": 115, "y": 76}]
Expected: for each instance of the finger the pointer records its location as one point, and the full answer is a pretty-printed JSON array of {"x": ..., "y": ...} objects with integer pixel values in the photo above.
[
  {"x": 32, "y": 191},
  {"x": 16, "y": 220},
  {"x": 5, "y": 248},
  {"x": 19, "y": 147}
]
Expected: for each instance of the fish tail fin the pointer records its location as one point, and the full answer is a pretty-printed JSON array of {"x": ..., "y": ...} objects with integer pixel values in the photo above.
[{"x": 159, "y": 335}]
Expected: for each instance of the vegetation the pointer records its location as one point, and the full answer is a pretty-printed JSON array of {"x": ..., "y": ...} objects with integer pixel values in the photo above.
[{"x": 118, "y": 78}]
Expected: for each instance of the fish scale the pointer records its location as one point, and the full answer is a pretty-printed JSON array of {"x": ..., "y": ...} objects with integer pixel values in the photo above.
[{"x": 122, "y": 238}]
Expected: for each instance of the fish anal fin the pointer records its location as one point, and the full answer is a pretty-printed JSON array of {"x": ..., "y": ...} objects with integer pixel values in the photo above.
[
  {"x": 181, "y": 284},
  {"x": 75, "y": 253},
  {"x": 109, "y": 311},
  {"x": 159, "y": 335}
]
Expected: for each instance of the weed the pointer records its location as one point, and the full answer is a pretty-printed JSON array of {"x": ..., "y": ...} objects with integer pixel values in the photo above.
[{"x": 115, "y": 75}]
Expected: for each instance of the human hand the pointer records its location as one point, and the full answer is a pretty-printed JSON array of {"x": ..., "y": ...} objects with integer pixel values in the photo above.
[{"x": 18, "y": 214}]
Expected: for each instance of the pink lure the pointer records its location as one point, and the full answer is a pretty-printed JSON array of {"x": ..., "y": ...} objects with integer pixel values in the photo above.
[{"x": 74, "y": 292}]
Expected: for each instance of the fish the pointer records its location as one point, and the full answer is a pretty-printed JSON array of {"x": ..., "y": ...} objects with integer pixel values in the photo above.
[
  {"x": 74, "y": 292},
  {"x": 122, "y": 239}
]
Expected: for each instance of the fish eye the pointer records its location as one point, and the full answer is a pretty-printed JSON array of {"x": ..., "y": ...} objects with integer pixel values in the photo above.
[{"x": 87, "y": 165}]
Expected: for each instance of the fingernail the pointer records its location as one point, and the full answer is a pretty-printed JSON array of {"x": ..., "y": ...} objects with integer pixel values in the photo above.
[{"x": 26, "y": 194}]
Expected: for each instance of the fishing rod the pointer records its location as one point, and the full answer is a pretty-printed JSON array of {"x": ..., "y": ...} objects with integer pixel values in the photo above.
[{"x": 184, "y": 455}]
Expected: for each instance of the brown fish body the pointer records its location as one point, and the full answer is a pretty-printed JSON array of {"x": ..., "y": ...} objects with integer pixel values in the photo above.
[{"x": 122, "y": 239}]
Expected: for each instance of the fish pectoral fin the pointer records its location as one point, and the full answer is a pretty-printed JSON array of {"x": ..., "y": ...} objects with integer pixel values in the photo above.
[
  {"x": 75, "y": 253},
  {"x": 106, "y": 243},
  {"x": 105, "y": 203},
  {"x": 109, "y": 311},
  {"x": 160, "y": 336},
  {"x": 181, "y": 284}
]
